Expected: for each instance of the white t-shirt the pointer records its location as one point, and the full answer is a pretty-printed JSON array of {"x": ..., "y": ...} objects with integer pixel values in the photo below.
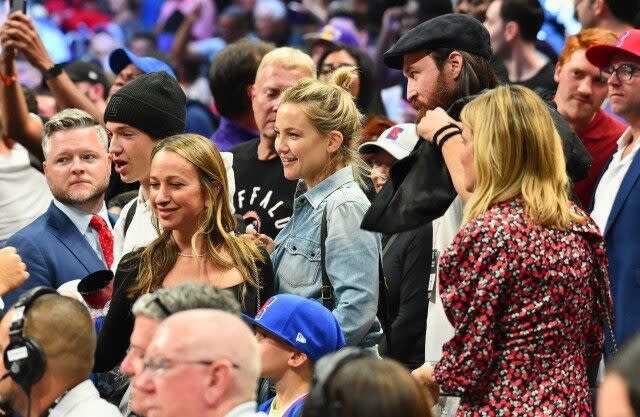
[
  {"x": 439, "y": 329},
  {"x": 24, "y": 193},
  {"x": 142, "y": 230}
]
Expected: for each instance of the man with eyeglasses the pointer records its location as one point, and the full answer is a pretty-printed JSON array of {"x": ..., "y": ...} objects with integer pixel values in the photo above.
[
  {"x": 617, "y": 196},
  {"x": 149, "y": 310},
  {"x": 201, "y": 363}
]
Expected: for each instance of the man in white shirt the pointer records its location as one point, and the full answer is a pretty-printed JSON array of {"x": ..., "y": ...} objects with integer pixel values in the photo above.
[
  {"x": 73, "y": 238},
  {"x": 617, "y": 196},
  {"x": 48, "y": 342},
  {"x": 201, "y": 363}
]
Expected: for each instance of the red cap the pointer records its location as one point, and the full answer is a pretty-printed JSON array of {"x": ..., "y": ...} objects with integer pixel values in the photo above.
[
  {"x": 97, "y": 288},
  {"x": 629, "y": 43}
]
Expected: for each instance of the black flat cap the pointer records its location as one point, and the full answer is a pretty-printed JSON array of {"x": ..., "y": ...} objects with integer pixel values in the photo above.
[{"x": 454, "y": 31}]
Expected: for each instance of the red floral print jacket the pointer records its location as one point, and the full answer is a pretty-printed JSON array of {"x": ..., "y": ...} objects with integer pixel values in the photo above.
[{"x": 528, "y": 312}]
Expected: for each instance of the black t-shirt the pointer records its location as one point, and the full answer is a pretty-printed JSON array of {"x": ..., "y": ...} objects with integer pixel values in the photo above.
[
  {"x": 263, "y": 197},
  {"x": 406, "y": 265},
  {"x": 543, "y": 79}
]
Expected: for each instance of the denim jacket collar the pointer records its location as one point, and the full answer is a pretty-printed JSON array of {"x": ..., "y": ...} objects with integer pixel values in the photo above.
[{"x": 327, "y": 186}]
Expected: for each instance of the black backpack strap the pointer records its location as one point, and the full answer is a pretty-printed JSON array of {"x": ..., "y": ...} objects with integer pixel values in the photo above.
[
  {"x": 389, "y": 243},
  {"x": 326, "y": 291},
  {"x": 129, "y": 218},
  {"x": 383, "y": 311}
]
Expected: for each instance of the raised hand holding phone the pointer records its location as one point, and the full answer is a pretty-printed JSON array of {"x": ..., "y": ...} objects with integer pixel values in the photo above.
[{"x": 18, "y": 6}]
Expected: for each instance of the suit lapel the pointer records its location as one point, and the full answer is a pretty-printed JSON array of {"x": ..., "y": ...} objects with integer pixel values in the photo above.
[
  {"x": 628, "y": 182},
  {"x": 69, "y": 235}
]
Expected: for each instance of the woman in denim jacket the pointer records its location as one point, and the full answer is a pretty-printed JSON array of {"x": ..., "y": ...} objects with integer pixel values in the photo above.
[{"x": 317, "y": 126}]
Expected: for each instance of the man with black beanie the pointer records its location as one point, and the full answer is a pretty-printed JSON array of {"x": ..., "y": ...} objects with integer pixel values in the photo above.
[{"x": 142, "y": 112}]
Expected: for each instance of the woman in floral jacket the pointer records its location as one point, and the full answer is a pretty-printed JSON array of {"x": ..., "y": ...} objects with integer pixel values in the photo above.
[{"x": 521, "y": 282}]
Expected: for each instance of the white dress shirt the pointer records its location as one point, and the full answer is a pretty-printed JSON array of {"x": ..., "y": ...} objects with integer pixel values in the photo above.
[
  {"x": 83, "y": 400},
  {"x": 611, "y": 180},
  {"x": 247, "y": 409}
]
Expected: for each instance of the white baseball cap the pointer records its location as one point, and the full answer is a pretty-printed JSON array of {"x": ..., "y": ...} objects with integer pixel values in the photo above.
[{"x": 398, "y": 140}]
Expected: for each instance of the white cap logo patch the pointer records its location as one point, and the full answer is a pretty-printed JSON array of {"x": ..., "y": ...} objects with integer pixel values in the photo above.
[{"x": 300, "y": 338}]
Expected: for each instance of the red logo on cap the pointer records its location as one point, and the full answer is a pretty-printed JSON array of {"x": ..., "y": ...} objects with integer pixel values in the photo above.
[
  {"x": 394, "y": 132},
  {"x": 622, "y": 38},
  {"x": 265, "y": 306}
]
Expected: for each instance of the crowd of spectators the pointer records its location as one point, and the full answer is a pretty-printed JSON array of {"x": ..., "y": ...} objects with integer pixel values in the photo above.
[{"x": 319, "y": 208}]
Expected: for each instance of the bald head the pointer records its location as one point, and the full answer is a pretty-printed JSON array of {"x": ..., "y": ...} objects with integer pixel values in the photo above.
[{"x": 206, "y": 334}]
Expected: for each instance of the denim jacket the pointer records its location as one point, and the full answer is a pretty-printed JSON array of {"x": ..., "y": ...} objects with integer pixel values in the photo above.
[{"x": 352, "y": 254}]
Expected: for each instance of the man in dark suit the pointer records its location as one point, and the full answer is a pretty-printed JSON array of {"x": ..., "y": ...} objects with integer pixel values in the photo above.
[
  {"x": 616, "y": 202},
  {"x": 74, "y": 236}
]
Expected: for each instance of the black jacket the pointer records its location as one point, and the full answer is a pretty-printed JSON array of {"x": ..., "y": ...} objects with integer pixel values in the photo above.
[{"x": 420, "y": 187}]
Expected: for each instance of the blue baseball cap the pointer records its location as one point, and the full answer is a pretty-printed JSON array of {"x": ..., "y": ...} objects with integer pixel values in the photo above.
[
  {"x": 122, "y": 57},
  {"x": 305, "y": 324}
]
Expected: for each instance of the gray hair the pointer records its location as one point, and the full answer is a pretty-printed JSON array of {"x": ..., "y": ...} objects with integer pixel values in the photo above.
[
  {"x": 163, "y": 302},
  {"x": 69, "y": 119}
]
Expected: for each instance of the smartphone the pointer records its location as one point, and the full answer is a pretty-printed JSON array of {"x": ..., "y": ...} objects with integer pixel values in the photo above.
[{"x": 18, "y": 6}]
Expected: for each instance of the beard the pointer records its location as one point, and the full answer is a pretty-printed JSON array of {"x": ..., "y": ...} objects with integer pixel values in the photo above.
[
  {"x": 80, "y": 199},
  {"x": 442, "y": 96}
]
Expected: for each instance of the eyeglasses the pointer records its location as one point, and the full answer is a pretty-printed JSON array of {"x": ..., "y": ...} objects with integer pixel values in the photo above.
[
  {"x": 328, "y": 69},
  {"x": 624, "y": 72},
  {"x": 159, "y": 365}
]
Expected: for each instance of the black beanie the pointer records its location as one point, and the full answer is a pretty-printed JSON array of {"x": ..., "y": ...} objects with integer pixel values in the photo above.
[{"x": 153, "y": 103}]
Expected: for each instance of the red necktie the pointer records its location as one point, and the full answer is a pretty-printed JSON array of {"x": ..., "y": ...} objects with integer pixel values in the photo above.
[{"x": 104, "y": 236}]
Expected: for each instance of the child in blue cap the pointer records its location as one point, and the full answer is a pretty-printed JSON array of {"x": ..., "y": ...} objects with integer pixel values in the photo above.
[{"x": 293, "y": 333}]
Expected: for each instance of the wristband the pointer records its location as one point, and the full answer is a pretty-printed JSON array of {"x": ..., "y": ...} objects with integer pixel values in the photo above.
[
  {"x": 52, "y": 72},
  {"x": 446, "y": 137},
  {"x": 441, "y": 130},
  {"x": 7, "y": 80}
]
